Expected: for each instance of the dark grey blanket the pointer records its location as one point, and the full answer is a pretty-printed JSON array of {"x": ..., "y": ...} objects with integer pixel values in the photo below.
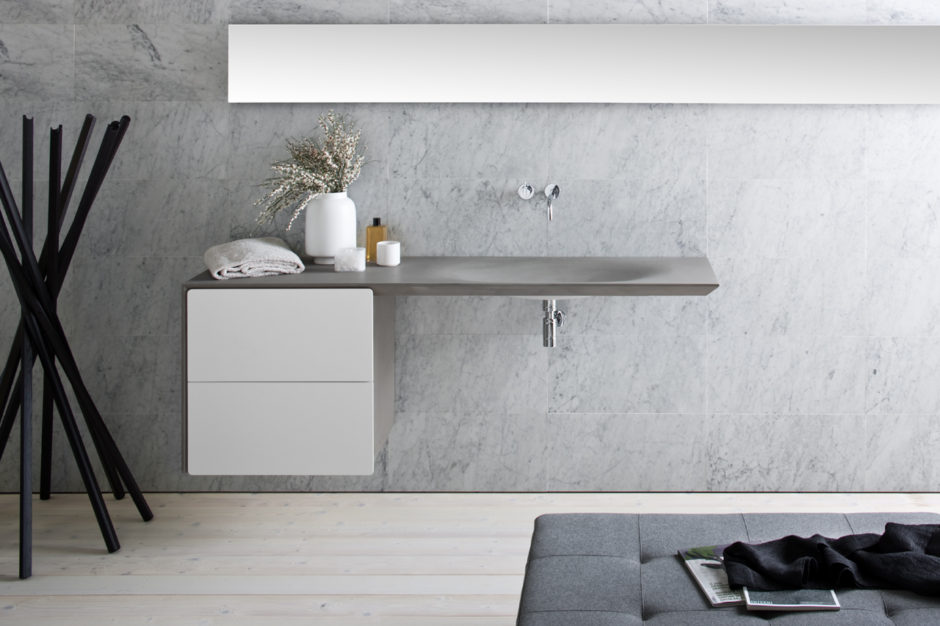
[{"x": 906, "y": 556}]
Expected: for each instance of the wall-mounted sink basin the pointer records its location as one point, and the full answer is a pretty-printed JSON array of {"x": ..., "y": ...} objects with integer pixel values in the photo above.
[
  {"x": 570, "y": 277},
  {"x": 537, "y": 271},
  {"x": 544, "y": 271}
]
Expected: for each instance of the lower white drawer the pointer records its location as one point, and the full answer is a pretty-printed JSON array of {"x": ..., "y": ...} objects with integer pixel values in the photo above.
[{"x": 279, "y": 428}]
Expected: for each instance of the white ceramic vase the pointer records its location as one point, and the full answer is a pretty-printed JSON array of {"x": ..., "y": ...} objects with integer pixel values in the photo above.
[{"x": 330, "y": 226}]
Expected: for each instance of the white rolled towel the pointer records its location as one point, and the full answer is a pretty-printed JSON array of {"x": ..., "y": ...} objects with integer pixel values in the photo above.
[{"x": 246, "y": 258}]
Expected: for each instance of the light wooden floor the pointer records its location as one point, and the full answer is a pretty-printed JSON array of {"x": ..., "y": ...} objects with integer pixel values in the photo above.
[{"x": 343, "y": 559}]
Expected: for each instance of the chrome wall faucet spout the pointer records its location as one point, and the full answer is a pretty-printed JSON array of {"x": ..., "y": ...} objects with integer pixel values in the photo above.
[{"x": 551, "y": 194}]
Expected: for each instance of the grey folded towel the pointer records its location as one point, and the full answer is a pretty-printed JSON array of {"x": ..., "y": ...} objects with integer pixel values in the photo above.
[{"x": 246, "y": 258}]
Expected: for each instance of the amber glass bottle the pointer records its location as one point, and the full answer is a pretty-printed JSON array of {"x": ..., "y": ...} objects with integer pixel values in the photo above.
[{"x": 374, "y": 234}]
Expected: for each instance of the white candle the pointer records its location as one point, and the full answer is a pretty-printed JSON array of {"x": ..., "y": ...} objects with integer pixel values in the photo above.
[{"x": 388, "y": 253}]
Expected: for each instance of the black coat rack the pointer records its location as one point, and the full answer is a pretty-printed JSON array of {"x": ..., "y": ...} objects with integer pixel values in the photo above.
[{"x": 37, "y": 283}]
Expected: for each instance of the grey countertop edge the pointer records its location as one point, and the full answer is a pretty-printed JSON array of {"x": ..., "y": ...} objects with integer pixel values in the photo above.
[{"x": 700, "y": 279}]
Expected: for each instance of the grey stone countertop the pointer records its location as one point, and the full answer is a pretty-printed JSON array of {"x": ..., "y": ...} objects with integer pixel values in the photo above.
[{"x": 549, "y": 277}]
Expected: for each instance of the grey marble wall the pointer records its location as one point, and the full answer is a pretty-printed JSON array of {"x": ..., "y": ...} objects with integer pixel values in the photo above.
[{"x": 813, "y": 367}]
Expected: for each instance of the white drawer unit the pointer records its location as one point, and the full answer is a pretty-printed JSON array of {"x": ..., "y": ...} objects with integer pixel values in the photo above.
[{"x": 287, "y": 381}]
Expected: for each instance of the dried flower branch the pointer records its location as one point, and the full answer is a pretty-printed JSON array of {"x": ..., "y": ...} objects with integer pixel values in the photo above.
[{"x": 314, "y": 168}]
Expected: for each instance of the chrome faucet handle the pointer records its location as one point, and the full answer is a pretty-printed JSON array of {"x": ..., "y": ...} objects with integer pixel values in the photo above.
[
  {"x": 526, "y": 191},
  {"x": 551, "y": 193}
]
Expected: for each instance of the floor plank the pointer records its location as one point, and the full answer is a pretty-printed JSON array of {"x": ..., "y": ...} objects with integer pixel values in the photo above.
[
  {"x": 257, "y": 609},
  {"x": 411, "y": 559}
]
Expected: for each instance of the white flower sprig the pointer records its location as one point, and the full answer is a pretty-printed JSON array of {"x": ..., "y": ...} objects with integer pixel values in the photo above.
[{"x": 314, "y": 168}]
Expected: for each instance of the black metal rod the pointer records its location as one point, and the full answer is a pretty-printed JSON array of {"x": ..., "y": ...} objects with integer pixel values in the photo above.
[
  {"x": 97, "y": 428},
  {"x": 45, "y": 456},
  {"x": 92, "y": 185},
  {"x": 54, "y": 219},
  {"x": 115, "y": 133},
  {"x": 27, "y": 196},
  {"x": 33, "y": 319},
  {"x": 65, "y": 192},
  {"x": 122, "y": 468},
  {"x": 26, "y": 463},
  {"x": 26, "y": 386},
  {"x": 52, "y": 274},
  {"x": 78, "y": 156}
]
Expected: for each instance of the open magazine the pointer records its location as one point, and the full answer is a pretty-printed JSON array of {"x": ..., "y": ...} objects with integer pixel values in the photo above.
[
  {"x": 791, "y": 600},
  {"x": 706, "y": 564},
  {"x": 708, "y": 570}
]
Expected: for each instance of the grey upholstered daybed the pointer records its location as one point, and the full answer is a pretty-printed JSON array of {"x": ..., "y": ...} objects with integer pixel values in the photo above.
[{"x": 619, "y": 570}]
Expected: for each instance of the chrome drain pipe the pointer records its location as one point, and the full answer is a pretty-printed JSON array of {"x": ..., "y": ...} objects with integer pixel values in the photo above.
[{"x": 551, "y": 322}]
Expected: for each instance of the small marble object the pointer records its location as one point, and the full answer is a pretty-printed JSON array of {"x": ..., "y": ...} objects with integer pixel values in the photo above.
[
  {"x": 388, "y": 253},
  {"x": 350, "y": 260}
]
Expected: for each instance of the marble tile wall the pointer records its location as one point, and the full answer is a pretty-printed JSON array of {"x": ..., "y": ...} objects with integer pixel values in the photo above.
[{"x": 813, "y": 367}]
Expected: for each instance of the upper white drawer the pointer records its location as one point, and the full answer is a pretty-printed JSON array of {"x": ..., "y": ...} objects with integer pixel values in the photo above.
[{"x": 279, "y": 335}]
